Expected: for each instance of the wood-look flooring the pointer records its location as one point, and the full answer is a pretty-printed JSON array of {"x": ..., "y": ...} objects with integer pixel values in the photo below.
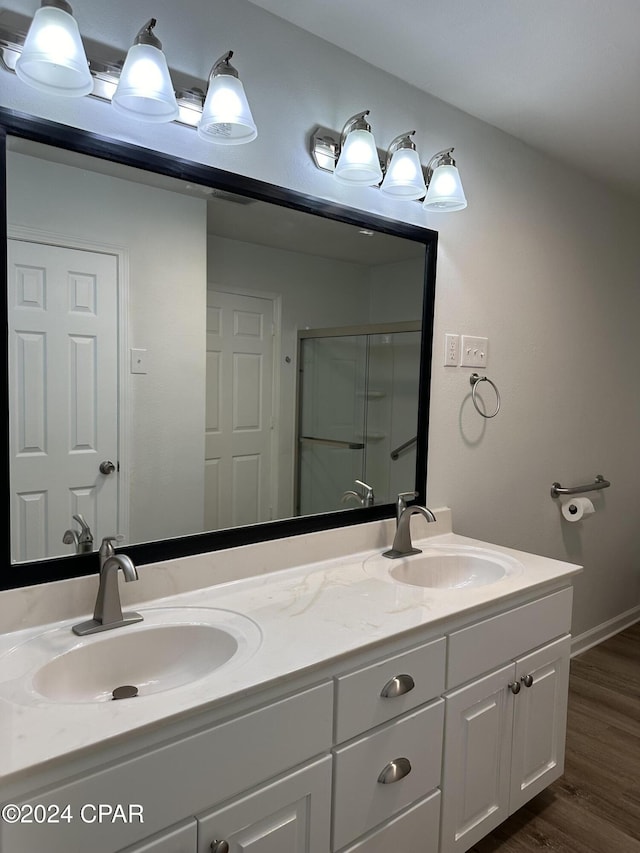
[{"x": 595, "y": 806}]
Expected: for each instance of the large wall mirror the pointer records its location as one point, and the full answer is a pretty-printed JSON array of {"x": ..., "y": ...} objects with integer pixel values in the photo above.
[{"x": 197, "y": 360}]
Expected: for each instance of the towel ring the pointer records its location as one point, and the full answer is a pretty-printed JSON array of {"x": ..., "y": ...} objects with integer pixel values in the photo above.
[{"x": 475, "y": 380}]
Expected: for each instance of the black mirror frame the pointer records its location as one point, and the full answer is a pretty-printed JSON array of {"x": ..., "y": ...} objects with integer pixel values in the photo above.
[{"x": 13, "y": 123}]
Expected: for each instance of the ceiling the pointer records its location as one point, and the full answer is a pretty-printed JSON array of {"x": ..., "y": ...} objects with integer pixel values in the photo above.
[{"x": 562, "y": 75}]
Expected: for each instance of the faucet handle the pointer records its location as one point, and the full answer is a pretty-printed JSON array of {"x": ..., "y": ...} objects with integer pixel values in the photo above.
[
  {"x": 106, "y": 548},
  {"x": 401, "y": 501},
  {"x": 368, "y": 496}
]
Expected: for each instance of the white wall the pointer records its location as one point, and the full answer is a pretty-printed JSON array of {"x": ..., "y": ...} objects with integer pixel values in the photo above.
[
  {"x": 164, "y": 236},
  {"x": 544, "y": 262}
]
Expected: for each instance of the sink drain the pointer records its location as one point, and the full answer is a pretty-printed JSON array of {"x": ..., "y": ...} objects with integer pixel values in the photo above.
[{"x": 127, "y": 691}]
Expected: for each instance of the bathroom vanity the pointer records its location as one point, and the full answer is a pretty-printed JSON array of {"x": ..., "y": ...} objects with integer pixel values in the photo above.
[{"x": 362, "y": 713}]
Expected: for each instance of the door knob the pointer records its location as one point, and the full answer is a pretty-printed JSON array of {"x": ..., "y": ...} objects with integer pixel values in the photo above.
[
  {"x": 219, "y": 847},
  {"x": 527, "y": 680},
  {"x": 107, "y": 467},
  {"x": 514, "y": 687}
]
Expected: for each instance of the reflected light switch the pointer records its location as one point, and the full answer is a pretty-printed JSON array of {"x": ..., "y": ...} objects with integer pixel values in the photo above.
[{"x": 138, "y": 360}]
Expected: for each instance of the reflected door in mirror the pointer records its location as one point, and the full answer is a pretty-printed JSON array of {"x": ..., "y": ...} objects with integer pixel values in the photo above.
[
  {"x": 239, "y": 472},
  {"x": 63, "y": 317}
]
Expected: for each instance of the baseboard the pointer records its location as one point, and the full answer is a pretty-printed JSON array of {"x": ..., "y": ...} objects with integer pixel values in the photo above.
[{"x": 602, "y": 632}]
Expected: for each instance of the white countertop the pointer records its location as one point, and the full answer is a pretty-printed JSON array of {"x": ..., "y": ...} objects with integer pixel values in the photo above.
[{"x": 307, "y": 615}]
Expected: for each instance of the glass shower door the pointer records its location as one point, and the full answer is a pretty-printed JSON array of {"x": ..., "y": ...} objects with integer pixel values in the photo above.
[
  {"x": 332, "y": 422},
  {"x": 357, "y": 417}
]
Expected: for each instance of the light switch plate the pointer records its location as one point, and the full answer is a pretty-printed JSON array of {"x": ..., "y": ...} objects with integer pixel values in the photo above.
[{"x": 475, "y": 351}]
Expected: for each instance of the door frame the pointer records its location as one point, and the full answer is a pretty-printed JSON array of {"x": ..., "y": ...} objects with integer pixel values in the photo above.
[{"x": 121, "y": 254}]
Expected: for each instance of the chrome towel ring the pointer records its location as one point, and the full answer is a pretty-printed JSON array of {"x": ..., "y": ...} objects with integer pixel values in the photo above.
[{"x": 475, "y": 380}]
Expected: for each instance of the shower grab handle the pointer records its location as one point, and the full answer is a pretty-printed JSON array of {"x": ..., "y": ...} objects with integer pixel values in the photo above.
[
  {"x": 395, "y": 453},
  {"x": 600, "y": 483}
]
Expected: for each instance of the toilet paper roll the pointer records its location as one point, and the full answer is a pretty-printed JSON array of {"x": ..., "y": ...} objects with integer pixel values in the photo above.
[{"x": 577, "y": 508}]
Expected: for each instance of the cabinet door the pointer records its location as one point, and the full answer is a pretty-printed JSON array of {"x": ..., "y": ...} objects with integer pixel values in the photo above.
[
  {"x": 540, "y": 721},
  {"x": 291, "y": 814},
  {"x": 477, "y": 758},
  {"x": 180, "y": 839}
]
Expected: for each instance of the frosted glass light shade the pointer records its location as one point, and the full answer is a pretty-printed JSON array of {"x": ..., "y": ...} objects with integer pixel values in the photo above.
[
  {"x": 145, "y": 90},
  {"x": 226, "y": 116},
  {"x": 404, "y": 178},
  {"x": 445, "y": 191},
  {"x": 53, "y": 58},
  {"x": 358, "y": 163}
]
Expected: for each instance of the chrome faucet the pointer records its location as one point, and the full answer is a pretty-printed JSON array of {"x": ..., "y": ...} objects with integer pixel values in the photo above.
[
  {"x": 108, "y": 613},
  {"x": 402, "y": 546}
]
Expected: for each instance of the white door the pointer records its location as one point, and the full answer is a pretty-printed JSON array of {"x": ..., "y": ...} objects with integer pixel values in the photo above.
[
  {"x": 540, "y": 721},
  {"x": 63, "y": 361},
  {"x": 477, "y": 759},
  {"x": 239, "y": 417}
]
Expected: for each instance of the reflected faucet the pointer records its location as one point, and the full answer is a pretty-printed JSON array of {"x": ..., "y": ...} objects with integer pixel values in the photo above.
[
  {"x": 402, "y": 546},
  {"x": 364, "y": 499},
  {"x": 83, "y": 541},
  {"x": 108, "y": 613}
]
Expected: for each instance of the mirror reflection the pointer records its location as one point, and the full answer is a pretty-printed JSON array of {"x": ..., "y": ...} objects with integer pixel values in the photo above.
[{"x": 183, "y": 359}]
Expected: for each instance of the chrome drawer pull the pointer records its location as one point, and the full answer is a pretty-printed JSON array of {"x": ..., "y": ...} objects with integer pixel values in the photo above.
[
  {"x": 395, "y": 771},
  {"x": 398, "y": 686}
]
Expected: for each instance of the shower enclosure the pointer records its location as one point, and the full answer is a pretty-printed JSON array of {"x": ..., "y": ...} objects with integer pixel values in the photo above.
[{"x": 357, "y": 415}]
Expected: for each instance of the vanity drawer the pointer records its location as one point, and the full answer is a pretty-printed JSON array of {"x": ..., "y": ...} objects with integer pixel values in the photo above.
[
  {"x": 360, "y": 800},
  {"x": 490, "y": 643},
  {"x": 416, "y": 829},
  {"x": 182, "y": 778},
  {"x": 360, "y": 704}
]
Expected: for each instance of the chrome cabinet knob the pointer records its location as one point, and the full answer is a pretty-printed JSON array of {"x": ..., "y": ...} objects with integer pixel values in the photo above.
[
  {"x": 514, "y": 687},
  {"x": 107, "y": 467},
  {"x": 397, "y": 686},
  {"x": 527, "y": 680},
  {"x": 219, "y": 847},
  {"x": 394, "y": 771}
]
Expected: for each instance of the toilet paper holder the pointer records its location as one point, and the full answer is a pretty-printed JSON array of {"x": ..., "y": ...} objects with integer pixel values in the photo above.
[{"x": 600, "y": 483}]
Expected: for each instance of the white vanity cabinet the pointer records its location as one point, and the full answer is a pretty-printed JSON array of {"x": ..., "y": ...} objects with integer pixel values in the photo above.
[
  {"x": 183, "y": 778},
  {"x": 504, "y": 730},
  {"x": 421, "y": 744}
]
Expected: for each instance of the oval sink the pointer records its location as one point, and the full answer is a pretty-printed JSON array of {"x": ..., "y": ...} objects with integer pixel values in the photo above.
[
  {"x": 448, "y": 567},
  {"x": 170, "y": 648}
]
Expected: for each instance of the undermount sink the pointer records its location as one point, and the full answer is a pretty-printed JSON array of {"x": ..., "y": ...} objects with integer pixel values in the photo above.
[
  {"x": 170, "y": 648},
  {"x": 447, "y": 567}
]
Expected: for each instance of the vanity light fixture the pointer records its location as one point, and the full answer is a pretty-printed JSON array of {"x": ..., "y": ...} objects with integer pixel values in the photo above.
[
  {"x": 399, "y": 171},
  {"x": 444, "y": 191},
  {"x": 226, "y": 115},
  {"x": 144, "y": 90},
  {"x": 53, "y": 59},
  {"x": 358, "y": 163},
  {"x": 403, "y": 171}
]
